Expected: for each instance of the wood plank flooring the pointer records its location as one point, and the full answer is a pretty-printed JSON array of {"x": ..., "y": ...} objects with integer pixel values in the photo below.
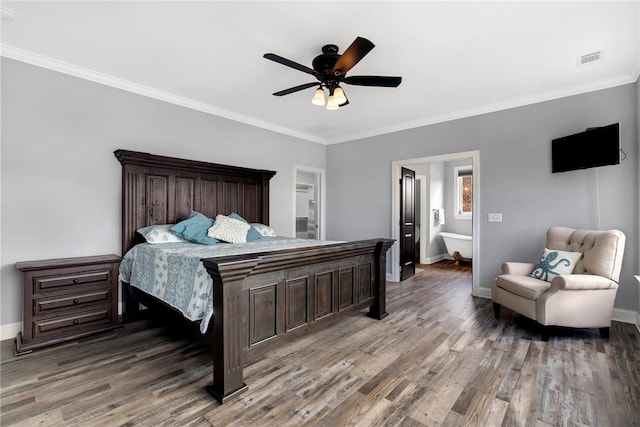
[{"x": 439, "y": 359}]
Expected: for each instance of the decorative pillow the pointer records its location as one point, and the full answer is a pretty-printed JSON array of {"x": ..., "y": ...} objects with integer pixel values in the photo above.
[
  {"x": 229, "y": 229},
  {"x": 252, "y": 234},
  {"x": 264, "y": 230},
  {"x": 194, "y": 229},
  {"x": 159, "y": 234},
  {"x": 555, "y": 263}
]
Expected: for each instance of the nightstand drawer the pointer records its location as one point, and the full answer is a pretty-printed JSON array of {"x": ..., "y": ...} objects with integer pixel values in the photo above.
[
  {"x": 64, "y": 282},
  {"x": 51, "y": 305},
  {"x": 68, "y": 324}
]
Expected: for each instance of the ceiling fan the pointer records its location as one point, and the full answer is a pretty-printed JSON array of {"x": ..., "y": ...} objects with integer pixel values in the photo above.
[{"x": 330, "y": 69}]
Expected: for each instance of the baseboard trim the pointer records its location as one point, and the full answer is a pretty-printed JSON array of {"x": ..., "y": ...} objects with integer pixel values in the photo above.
[
  {"x": 482, "y": 293},
  {"x": 433, "y": 260},
  {"x": 625, "y": 316},
  {"x": 10, "y": 330}
]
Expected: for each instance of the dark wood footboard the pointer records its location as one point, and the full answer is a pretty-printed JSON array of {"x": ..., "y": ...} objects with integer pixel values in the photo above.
[{"x": 259, "y": 299}]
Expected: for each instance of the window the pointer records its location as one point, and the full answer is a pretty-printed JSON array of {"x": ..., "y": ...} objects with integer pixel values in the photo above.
[{"x": 463, "y": 176}]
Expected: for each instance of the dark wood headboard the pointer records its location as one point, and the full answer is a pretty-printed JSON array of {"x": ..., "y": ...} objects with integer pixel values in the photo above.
[{"x": 164, "y": 190}]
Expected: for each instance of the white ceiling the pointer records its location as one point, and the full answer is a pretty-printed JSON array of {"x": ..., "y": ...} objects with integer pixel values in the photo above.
[{"x": 456, "y": 59}]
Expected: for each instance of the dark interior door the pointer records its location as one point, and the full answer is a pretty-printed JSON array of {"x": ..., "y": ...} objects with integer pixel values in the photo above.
[{"x": 407, "y": 224}]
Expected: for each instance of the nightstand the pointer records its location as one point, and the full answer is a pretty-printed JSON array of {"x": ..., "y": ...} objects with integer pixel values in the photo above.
[{"x": 67, "y": 298}]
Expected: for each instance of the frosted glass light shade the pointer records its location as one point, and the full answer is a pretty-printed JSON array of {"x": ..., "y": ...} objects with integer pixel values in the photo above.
[
  {"x": 331, "y": 104},
  {"x": 318, "y": 98},
  {"x": 338, "y": 96}
]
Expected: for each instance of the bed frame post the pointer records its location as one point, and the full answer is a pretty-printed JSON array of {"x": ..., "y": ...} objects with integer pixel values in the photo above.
[
  {"x": 228, "y": 328},
  {"x": 379, "y": 308},
  {"x": 130, "y": 305}
]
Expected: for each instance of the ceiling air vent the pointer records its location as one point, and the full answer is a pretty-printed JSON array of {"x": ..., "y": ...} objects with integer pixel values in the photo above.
[{"x": 589, "y": 58}]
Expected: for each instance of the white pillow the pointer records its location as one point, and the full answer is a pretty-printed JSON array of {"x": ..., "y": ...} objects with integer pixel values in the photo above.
[
  {"x": 229, "y": 230},
  {"x": 265, "y": 230},
  {"x": 555, "y": 263},
  {"x": 160, "y": 234}
]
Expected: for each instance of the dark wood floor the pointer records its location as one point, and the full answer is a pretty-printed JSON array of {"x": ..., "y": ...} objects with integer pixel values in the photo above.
[{"x": 439, "y": 359}]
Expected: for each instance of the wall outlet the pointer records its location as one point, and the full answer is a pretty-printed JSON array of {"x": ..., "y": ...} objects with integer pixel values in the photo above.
[{"x": 494, "y": 217}]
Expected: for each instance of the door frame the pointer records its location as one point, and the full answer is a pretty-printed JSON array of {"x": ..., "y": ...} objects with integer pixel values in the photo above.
[
  {"x": 321, "y": 184},
  {"x": 396, "y": 165},
  {"x": 422, "y": 179}
]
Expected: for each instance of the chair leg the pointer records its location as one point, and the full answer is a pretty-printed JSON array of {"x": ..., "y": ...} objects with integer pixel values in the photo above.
[
  {"x": 545, "y": 332},
  {"x": 604, "y": 332},
  {"x": 496, "y": 309}
]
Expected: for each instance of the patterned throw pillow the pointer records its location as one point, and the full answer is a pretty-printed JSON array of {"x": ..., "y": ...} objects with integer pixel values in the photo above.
[
  {"x": 253, "y": 234},
  {"x": 555, "y": 263},
  {"x": 229, "y": 230},
  {"x": 159, "y": 234},
  {"x": 265, "y": 230}
]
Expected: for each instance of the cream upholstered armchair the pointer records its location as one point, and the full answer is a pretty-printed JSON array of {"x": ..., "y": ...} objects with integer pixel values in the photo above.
[{"x": 573, "y": 285}]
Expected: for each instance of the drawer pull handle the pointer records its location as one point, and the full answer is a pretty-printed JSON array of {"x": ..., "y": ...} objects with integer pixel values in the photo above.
[
  {"x": 76, "y": 281},
  {"x": 75, "y": 321},
  {"x": 76, "y": 301}
]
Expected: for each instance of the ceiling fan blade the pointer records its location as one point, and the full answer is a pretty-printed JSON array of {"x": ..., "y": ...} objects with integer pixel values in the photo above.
[
  {"x": 289, "y": 63},
  {"x": 295, "y": 89},
  {"x": 383, "y": 81},
  {"x": 354, "y": 53}
]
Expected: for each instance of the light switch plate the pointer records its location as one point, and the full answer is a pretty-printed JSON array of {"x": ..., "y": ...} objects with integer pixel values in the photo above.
[{"x": 494, "y": 217}]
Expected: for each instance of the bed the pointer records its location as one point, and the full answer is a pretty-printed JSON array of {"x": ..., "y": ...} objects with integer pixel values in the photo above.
[{"x": 260, "y": 298}]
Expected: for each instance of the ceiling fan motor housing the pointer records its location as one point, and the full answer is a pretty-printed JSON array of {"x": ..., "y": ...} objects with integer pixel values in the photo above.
[{"x": 324, "y": 62}]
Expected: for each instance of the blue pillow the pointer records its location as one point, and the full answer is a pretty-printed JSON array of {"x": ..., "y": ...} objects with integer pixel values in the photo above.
[
  {"x": 194, "y": 229},
  {"x": 252, "y": 234}
]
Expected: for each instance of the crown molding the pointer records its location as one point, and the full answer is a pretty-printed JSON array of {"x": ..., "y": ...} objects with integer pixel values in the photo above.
[
  {"x": 108, "y": 80},
  {"x": 492, "y": 108},
  {"x": 43, "y": 61}
]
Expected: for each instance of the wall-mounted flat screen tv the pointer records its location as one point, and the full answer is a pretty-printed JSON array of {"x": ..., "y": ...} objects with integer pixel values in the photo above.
[{"x": 589, "y": 149}]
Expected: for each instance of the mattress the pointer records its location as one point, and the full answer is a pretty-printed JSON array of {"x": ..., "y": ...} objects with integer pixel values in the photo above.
[{"x": 174, "y": 273}]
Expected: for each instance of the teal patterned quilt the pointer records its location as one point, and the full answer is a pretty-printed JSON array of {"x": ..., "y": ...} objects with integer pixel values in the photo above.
[{"x": 174, "y": 273}]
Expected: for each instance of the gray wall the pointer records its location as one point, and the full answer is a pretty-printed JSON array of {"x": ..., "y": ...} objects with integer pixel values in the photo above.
[
  {"x": 515, "y": 178},
  {"x": 59, "y": 132}
]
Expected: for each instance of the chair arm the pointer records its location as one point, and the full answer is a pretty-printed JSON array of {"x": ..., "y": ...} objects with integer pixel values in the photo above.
[
  {"x": 518, "y": 268},
  {"x": 576, "y": 282}
]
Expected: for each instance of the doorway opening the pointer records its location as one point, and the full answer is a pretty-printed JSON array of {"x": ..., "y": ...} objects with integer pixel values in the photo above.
[
  {"x": 430, "y": 214},
  {"x": 309, "y": 196}
]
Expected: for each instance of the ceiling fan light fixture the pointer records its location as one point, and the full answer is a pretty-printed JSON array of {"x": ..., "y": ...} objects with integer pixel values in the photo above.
[
  {"x": 338, "y": 96},
  {"x": 331, "y": 103},
  {"x": 318, "y": 97}
]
